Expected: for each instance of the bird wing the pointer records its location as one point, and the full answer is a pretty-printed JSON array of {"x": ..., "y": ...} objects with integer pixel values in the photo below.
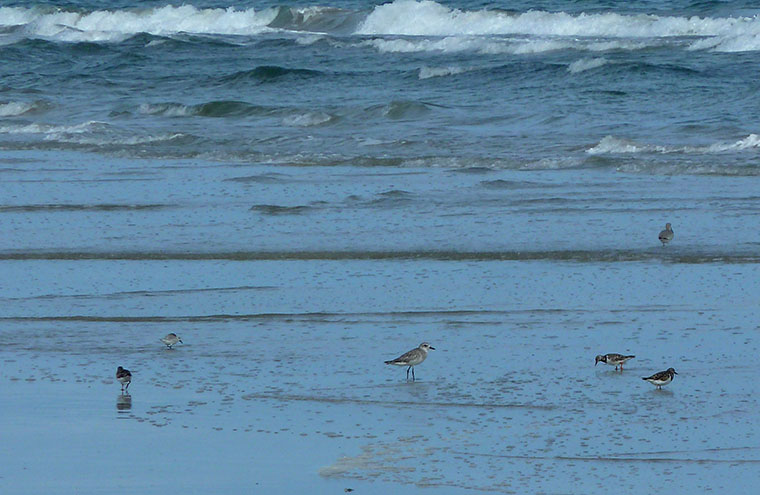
[
  {"x": 407, "y": 356},
  {"x": 662, "y": 375}
]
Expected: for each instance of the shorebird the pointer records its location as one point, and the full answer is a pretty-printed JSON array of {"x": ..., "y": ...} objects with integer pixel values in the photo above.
[
  {"x": 124, "y": 376},
  {"x": 661, "y": 378},
  {"x": 412, "y": 358},
  {"x": 666, "y": 235},
  {"x": 613, "y": 359},
  {"x": 171, "y": 339}
]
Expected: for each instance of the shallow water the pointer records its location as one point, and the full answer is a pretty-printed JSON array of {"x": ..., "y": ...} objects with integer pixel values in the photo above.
[
  {"x": 286, "y": 325},
  {"x": 302, "y": 193}
]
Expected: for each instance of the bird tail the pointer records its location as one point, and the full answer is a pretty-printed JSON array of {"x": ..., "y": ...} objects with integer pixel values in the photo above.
[
  {"x": 630, "y": 357},
  {"x": 389, "y": 362},
  {"x": 644, "y": 378}
]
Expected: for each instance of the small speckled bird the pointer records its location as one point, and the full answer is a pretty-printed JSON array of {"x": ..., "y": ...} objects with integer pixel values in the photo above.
[
  {"x": 124, "y": 376},
  {"x": 661, "y": 378},
  {"x": 613, "y": 359}
]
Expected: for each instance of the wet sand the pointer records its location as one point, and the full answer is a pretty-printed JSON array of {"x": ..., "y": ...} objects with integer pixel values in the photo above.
[
  {"x": 518, "y": 279},
  {"x": 300, "y": 401}
]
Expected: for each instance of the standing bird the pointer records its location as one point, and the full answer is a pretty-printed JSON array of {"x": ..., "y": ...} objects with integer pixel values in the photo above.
[
  {"x": 661, "y": 378},
  {"x": 613, "y": 359},
  {"x": 171, "y": 339},
  {"x": 666, "y": 235},
  {"x": 124, "y": 376},
  {"x": 412, "y": 358}
]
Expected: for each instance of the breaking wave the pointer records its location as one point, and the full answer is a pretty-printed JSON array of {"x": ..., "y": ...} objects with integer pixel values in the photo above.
[
  {"x": 399, "y": 18},
  {"x": 614, "y": 145},
  {"x": 16, "y": 108},
  {"x": 92, "y": 133},
  {"x": 585, "y": 64},
  {"x": 210, "y": 109},
  {"x": 430, "y": 72},
  {"x": 116, "y": 25}
]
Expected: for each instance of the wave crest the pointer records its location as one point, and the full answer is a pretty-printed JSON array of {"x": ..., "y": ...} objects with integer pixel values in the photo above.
[
  {"x": 268, "y": 73},
  {"x": 216, "y": 109},
  {"x": 116, "y": 25},
  {"x": 590, "y": 31},
  {"x": 614, "y": 145},
  {"x": 428, "y": 18},
  {"x": 16, "y": 108}
]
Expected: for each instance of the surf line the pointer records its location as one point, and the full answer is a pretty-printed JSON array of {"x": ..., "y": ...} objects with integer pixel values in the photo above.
[{"x": 611, "y": 459}]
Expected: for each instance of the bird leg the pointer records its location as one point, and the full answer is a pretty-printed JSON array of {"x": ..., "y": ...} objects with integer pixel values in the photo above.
[{"x": 407, "y": 373}]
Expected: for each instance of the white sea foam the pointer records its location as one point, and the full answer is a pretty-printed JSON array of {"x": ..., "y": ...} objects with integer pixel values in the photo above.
[
  {"x": 307, "y": 119},
  {"x": 90, "y": 133},
  {"x": 430, "y": 72},
  {"x": 115, "y": 25},
  {"x": 453, "y": 44},
  {"x": 14, "y": 108},
  {"x": 16, "y": 16},
  {"x": 488, "y": 45},
  {"x": 750, "y": 142},
  {"x": 107, "y": 140},
  {"x": 167, "y": 109},
  {"x": 614, "y": 145},
  {"x": 49, "y": 128},
  {"x": 428, "y": 18},
  {"x": 402, "y": 17},
  {"x": 309, "y": 39},
  {"x": 585, "y": 64},
  {"x": 745, "y": 42}
]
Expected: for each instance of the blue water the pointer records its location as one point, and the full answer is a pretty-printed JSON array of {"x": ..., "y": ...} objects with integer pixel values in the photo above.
[
  {"x": 658, "y": 87},
  {"x": 302, "y": 191}
]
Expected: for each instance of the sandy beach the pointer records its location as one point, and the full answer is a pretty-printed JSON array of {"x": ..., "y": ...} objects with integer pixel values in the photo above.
[
  {"x": 280, "y": 384},
  {"x": 303, "y": 191}
]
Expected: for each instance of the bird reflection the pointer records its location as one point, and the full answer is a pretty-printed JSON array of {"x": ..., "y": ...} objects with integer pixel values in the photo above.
[{"x": 124, "y": 402}]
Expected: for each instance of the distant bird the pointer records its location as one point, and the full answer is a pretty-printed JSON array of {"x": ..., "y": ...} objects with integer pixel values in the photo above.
[
  {"x": 613, "y": 359},
  {"x": 171, "y": 339},
  {"x": 661, "y": 378},
  {"x": 412, "y": 358},
  {"x": 666, "y": 235},
  {"x": 124, "y": 376}
]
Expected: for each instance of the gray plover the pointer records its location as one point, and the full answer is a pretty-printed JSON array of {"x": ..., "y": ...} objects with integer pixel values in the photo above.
[
  {"x": 666, "y": 235},
  {"x": 661, "y": 378},
  {"x": 613, "y": 359},
  {"x": 412, "y": 358},
  {"x": 171, "y": 339},
  {"x": 124, "y": 376}
]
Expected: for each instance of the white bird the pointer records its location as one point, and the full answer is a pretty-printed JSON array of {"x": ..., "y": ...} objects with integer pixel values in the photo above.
[
  {"x": 661, "y": 378},
  {"x": 412, "y": 358},
  {"x": 171, "y": 339}
]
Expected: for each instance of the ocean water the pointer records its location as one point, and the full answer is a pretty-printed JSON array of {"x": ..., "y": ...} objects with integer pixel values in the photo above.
[{"x": 302, "y": 191}]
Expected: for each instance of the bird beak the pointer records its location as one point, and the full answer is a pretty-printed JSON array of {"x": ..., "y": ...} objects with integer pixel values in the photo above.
[
  {"x": 432, "y": 348},
  {"x": 675, "y": 372},
  {"x": 597, "y": 362},
  {"x": 180, "y": 340}
]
